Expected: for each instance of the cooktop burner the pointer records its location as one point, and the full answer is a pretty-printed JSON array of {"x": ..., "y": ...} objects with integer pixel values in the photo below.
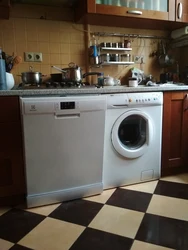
[{"x": 57, "y": 85}]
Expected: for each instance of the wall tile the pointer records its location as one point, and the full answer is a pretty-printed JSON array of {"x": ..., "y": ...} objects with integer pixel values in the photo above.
[
  {"x": 32, "y": 24},
  {"x": 53, "y": 25},
  {"x": 55, "y": 59},
  {"x": 43, "y": 25},
  {"x": 65, "y": 26},
  {"x": 65, "y": 59},
  {"x": 9, "y": 47},
  {"x": 65, "y": 48},
  {"x": 44, "y": 47},
  {"x": 78, "y": 59},
  {"x": 32, "y": 35},
  {"x": 45, "y": 69},
  {"x": 20, "y": 36},
  {"x": 32, "y": 47},
  {"x": 8, "y": 35},
  {"x": 54, "y": 47},
  {"x": 65, "y": 37},
  {"x": 19, "y": 23},
  {"x": 43, "y": 36},
  {"x": 45, "y": 58},
  {"x": 77, "y": 49},
  {"x": 7, "y": 24},
  {"x": 54, "y": 37},
  {"x": 77, "y": 37},
  {"x": 21, "y": 48}
]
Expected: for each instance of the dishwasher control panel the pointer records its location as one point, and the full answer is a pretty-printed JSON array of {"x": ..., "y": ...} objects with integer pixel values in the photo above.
[{"x": 62, "y": 105}]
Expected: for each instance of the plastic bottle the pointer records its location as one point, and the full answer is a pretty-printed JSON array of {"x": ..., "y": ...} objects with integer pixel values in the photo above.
[
  {"x": 3, "y": 84},
  {"x": 94, "y": 57}
]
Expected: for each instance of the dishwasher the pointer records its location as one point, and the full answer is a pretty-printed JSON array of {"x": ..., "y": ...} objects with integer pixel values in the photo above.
[{"x": 63, "y": 147}]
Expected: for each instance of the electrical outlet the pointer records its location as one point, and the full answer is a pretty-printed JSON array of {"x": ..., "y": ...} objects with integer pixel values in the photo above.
[
  {"x": 37, "y": 56},
  {"x": 29, "y": 57},
  {"x": 139, "y": 59}
]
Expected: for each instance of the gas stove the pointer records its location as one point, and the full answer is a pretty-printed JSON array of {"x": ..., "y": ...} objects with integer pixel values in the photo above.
[{"x": 57, "y": 85}]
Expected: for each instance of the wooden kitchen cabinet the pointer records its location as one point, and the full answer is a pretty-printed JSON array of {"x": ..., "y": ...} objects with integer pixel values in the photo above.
[
  {"x": 4, "y": 9},
  {"x": 12, "y": 184},
  {"x": 117, "y": 13},
  {"x": 165, "y": 16},
  {"x": 182, "y": 11},
  {"x": 175, "y": 133}
]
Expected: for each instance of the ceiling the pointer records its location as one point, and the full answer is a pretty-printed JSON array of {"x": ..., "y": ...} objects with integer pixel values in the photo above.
[{"x": 63, "y": 3}]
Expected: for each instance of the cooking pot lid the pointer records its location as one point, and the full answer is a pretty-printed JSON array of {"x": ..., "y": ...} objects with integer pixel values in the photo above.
[{"x": 73, "y": 65}]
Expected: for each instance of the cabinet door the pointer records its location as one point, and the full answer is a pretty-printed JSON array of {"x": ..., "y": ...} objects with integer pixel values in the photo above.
[
  {"x": 182, "y": 11},
  {"x": 11, "y": 159},
  {"x": 12, "y": 180},
  {"x": 11, "y": 173},
  {"x": 4, "y": 9},
  {"x": 150, "y": 9},
  {"x": 174, "y": 140}
]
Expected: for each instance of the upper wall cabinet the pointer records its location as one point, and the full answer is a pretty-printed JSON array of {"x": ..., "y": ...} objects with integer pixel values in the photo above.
[
  {"x": 4, "y": 9},
  {"x": 151, "y": 14},
  {"x": 182, "y": 11},
  {"x": 150, "y": 9}
]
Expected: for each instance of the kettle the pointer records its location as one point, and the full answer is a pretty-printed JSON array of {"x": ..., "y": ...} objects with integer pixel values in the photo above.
[{"x": 110, "y": 81}]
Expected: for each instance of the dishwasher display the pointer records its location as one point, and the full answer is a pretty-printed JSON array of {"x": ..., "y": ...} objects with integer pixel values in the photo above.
[{"x": 67, "y": 105}]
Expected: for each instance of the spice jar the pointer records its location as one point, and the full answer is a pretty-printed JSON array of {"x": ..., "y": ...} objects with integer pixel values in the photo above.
[{"x": 127, "y": 43}]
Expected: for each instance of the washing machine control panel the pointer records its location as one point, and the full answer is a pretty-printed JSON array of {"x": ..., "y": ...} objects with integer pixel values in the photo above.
[
  {"x": 134, "y": 99},
  {"x": 154, "y": 98}
]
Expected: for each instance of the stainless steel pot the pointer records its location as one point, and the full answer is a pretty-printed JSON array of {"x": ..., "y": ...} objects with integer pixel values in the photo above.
[
  {"x": 73, "y": 73},
  {"x": 31, "y": 77}
]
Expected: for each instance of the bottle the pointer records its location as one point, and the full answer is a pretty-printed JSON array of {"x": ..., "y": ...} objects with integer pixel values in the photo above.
[
  {"x": 3, "y": 84},
  {"x": 93, "y": 51}
]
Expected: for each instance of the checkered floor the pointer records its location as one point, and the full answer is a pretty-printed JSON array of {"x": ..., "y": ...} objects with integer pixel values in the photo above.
[{"x": 147, "y": 216}]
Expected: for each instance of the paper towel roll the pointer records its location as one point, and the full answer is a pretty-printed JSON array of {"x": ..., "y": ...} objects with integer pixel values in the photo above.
[{"x": 179, "y": 32}]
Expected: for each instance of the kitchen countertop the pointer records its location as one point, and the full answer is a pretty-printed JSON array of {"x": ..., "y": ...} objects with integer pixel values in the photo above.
[{"x": 92, "y": 90}]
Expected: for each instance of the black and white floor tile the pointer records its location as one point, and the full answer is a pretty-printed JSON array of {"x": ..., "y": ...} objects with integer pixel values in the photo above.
[{"x": 146, "y": 216}]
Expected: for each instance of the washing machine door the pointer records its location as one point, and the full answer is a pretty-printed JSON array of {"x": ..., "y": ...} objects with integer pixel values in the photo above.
[{"x": 132, "y": 134}]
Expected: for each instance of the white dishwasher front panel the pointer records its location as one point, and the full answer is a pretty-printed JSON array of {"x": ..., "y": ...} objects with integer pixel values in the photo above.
[{"x": 64, "y": 139}]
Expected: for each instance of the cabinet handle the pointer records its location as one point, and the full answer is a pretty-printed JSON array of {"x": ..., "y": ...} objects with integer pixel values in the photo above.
[
  {"x": 134, "y": 12},
  {"x": 185, "y": 106},
  {"x": 180, "y": 10}
]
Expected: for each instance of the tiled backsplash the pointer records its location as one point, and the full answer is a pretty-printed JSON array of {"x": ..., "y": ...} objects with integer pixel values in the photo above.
[{"x": 62, "y": 41}]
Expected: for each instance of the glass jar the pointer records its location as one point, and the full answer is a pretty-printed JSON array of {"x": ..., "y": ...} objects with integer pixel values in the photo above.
[
  {"x": 126, "y": 57},
  {"x": 100, "y": 79}
]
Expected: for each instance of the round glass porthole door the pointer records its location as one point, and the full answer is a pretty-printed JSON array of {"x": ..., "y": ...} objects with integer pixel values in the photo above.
[{"x": 132, "y": 134}]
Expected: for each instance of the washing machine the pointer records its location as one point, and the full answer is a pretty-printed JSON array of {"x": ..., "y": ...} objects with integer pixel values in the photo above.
[{"x": 133, "y": 131}]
